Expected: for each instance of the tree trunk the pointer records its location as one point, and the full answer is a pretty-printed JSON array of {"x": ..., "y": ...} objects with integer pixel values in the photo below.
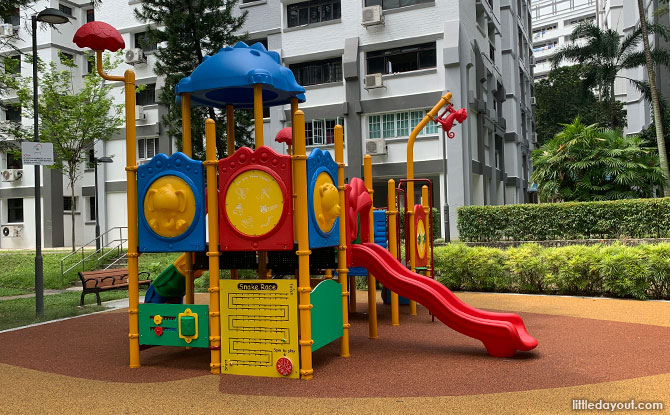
[
  {"x": 613, "y": 107},
  {"x": 72, "y": 209},
  {"x": 658, "y": 121}
]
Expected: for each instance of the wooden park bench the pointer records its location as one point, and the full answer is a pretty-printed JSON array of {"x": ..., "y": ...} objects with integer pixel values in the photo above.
[{"x": 108, "y": 279}]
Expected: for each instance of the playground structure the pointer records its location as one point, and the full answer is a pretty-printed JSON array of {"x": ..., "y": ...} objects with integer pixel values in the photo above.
[{"x": 288, "y": 215}]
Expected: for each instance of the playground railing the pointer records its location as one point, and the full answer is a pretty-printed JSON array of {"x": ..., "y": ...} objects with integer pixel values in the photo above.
[{"x": 111, "y": 245}]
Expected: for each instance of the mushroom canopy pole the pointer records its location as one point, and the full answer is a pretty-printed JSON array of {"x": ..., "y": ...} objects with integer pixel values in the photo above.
[{"x": 101, "y": 36}]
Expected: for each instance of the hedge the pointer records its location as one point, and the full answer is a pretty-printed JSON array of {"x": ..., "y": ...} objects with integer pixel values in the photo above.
[
  {"x": 641, "y": 271},
  {"x": 630, "y": 218}
]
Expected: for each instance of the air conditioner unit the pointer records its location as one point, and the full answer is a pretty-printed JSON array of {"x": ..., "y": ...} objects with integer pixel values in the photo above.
[
  {"x": 135, "y": 56},
  {"x": 7, "y": 29},
  {"x": 373, "y": 81},
  {"x": 12, "y": 231},
  {"x": 372, "y": 15},
  {"x": 18, "y": 174},
  {"x": 139, "y": 113},
  {"x": 8, "y": 175},
  {"x": 375, "y": 147},
  {"x": 533, "y": 101}
]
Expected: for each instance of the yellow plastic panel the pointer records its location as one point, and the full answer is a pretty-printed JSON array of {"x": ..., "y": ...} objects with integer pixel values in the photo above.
[
  {"x": 259, "y": 328},
  {"x": 421, "y": 239},
  {"x": 326, "y": 201},
  {"x": 254, "y": 203},
  {"x": 169, "y": 206}
]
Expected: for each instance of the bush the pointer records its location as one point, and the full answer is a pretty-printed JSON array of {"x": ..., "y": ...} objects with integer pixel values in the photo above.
[
  {"x": 620, "y": 271},
  {"x": 632, "y": 218}
]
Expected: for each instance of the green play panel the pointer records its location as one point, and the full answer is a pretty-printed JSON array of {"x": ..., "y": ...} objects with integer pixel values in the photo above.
[
  {"x": 174, "y": 325},
  {"x": 326, "y": 314}
]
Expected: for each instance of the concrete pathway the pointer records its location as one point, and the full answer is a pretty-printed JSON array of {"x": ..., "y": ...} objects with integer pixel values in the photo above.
[{"x": 46, "y": 292}]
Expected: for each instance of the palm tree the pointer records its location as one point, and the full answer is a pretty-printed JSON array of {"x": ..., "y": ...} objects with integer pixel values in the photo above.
[
  {"x": 603, "y": 54},
  {"x": 655, "y": 102},
  {"x": 584, "y": 162}
]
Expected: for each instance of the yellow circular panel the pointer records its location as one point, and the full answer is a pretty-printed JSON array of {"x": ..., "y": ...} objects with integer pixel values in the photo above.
[
  {"x": 169, "y": 206},
  {"x": 326, "y": 202},
  {"x": 254, "y": 203},
  {"x": 421, "y": 239}
]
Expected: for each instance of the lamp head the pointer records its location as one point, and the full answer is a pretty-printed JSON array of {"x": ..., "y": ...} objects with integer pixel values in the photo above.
[{"x": 52, "y": 16}]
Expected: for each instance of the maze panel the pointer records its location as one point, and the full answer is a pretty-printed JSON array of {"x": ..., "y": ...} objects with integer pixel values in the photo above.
[{"x": 259, "y": 326}]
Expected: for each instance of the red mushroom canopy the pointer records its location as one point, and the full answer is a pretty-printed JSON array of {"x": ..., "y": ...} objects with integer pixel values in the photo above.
[
  {"x": 285, "y": 135},
  {"x": 99, "y": 36}
]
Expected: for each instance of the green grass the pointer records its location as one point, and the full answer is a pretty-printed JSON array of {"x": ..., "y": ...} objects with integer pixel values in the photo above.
[
  {"x": 18, "y": 269},
  {"x": 21, "y": 312}
]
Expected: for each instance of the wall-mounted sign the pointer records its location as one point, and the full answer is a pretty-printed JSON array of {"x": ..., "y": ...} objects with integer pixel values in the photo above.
[{"x": 41, "y": 154}]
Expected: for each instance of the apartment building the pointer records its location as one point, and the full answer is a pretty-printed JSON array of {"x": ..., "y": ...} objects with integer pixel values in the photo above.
[
  {"x": 553, "y": 22},
  {"x": 375, "y": 66}
]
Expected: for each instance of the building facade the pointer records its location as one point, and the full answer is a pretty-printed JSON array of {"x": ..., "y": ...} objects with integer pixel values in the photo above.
[
  {"x": 376, "y": 67},
  {"x": 553, "y": 22}
]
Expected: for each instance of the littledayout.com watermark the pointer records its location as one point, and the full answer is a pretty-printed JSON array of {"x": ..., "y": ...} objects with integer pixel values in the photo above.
[{"x": 612, "y": 406}]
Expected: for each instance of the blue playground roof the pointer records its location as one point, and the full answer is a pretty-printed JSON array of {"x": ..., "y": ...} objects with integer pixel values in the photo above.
[{"x": 228, "y": 77}]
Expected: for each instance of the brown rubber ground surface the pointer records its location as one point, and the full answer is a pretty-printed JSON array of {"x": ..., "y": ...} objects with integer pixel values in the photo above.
[
  {"x": 419, "y": 367},
  {"x": 418, "y": 358}
]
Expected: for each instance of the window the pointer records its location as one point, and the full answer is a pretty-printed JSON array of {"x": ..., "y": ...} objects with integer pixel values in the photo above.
[
  {"x": 318, "y": 72},
  {"x": 315, "y": 11},
  {"x": 66, "y": 56},
  {"x": 404, "y": 59},
  {"x": 397, "y": 124},
  {"x": 69, "y": 203},
  {"x": 90, "y": 63},
  {"x": 12, "y": 64},
  {"x": 65, "y": 9},
  {"x": 147, "y": 147},
  {"x": 322, "y": 131},
  {"x": 13, "y": 113},
  {"x": 143, "y": 42},
  {"x": 90, "y": 15},
  {"x": 15, "y": 210},
  {"x": 147, "y": 96},
  {"x": 91, "y": 208},
  {"x": 15, "y": 18},
  {"x": 14, "y": 160},
  {"x": 263, "y": 41},
  {"x": 90, "y": 164},
  {"x": 394, "y": 4}
]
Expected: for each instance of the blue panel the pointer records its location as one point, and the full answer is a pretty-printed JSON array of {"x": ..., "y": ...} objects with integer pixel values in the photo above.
[
  {"x": 318, "y": 162},
  {"x": 192, "y": 172}
]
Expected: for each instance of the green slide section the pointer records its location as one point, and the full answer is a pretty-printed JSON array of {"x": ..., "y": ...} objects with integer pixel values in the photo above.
[
  {"x": 170, "y": 283},
  {"x": 326, "y": 314}
]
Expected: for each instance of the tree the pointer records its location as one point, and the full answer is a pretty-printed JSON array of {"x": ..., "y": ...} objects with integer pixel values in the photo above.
[
  {"x": 584, "y": 162},
  {"x": 603, "y": 54},
  {"x": 72, "y": 116},
  {"x": 564, "y": 96},
  {"x": 655, "y": 102},
  {"x": 186, "y": 31}
]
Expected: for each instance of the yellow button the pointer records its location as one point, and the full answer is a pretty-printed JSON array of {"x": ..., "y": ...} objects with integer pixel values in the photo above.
[{"x": 158, "y": 319}]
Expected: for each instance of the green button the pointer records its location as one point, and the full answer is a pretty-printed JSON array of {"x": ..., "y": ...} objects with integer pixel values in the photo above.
[{"x": 188, "y": 326}]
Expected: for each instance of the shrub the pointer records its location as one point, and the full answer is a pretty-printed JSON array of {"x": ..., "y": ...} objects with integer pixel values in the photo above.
[
  {"x": 631, "y": 218},
  {"x": 621, "y": 271}
]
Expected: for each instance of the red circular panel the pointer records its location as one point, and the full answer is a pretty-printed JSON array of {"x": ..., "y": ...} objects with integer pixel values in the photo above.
[{"x": 284, "y": 366}]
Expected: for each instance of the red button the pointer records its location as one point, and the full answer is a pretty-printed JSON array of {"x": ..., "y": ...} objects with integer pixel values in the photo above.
[
  {"x": 158, "y": 331},
  {"x": 284, "y": 366}
]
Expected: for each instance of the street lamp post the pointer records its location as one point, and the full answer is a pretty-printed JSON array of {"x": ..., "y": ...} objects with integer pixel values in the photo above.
[
  {"x": 97, "y": 161},
  {"x": 52, "y": 17}
]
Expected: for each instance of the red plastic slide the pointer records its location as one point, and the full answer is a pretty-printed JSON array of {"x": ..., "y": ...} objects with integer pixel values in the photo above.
[{"x": 502, "y": 333}]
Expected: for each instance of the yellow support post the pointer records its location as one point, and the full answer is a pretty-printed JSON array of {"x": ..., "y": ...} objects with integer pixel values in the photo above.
[
  {"x": 213, "y": 253},
  {"x": 342, "y": 249},
  {"x": 230, "y": 149},
  {"x": 304, "y": 288},
  {"x": 128, "y": 80},
  {"x": 425, "y": 202},
  {"x": 187, "y": 148},
  {"x": 258, "y": 114},
  {"x": 410, "y": 184},
  {"x": 372, "y": 289},
  {"x": 393, "y": 245}
]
